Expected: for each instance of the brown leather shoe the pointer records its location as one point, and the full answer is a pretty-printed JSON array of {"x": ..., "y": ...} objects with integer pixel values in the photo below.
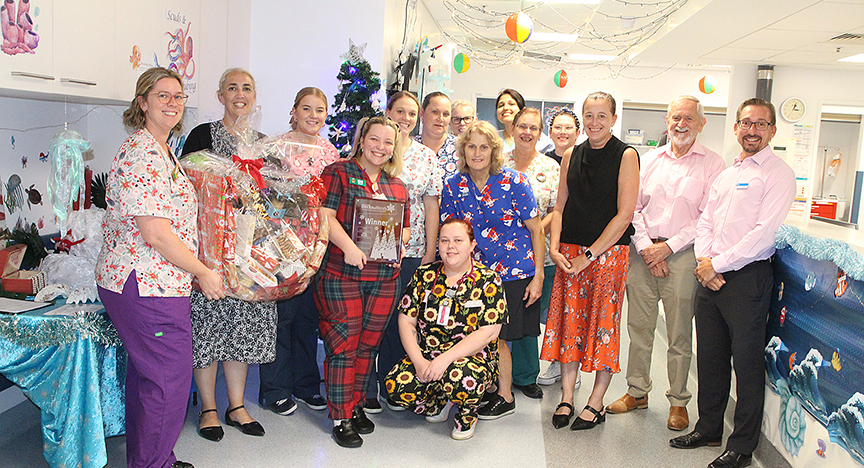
[
  {"x": 627, "y": 403},
  {"x": 678, "y": 419}
]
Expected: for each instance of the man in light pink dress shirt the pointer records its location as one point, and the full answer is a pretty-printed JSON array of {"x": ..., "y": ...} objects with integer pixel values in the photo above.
[
  {"x": 734, "y": 242},
  {"x": 673, "y": 191}
]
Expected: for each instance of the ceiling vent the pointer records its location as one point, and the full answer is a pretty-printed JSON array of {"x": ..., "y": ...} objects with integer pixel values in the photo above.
[{"x": 846, "y": 38}]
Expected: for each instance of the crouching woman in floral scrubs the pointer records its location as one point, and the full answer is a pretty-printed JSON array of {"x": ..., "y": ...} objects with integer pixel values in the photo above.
[{"x": 452, "y": 313}]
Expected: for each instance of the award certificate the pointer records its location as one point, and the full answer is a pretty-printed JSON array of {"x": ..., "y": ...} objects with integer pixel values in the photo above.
[{"x": 377, "y": 228}]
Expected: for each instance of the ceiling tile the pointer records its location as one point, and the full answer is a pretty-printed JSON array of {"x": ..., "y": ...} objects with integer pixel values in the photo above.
[
  {"x": 739, "y": 54},
  {"x": 780, "y": 39},
  {"x": 802, "y": 57},
  {"x": 825, "y": 16}
]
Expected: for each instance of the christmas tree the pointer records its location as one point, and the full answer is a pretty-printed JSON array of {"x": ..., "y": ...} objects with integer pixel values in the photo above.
[{"x": 358, "y": 83}]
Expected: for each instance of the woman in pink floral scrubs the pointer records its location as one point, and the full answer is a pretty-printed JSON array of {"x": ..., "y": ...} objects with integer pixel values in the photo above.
[{"x": 145, "y": 270}]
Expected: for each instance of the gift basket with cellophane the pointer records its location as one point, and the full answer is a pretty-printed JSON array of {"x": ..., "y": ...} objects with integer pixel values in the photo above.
[{"x": 258, "y": 224}]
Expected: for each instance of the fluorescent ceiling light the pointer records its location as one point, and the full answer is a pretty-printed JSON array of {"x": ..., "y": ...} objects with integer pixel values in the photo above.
[
  {"x": 554, "y": 37},
  {"x": 855, "y": 58},
  {"x": 591, "y": 58}
]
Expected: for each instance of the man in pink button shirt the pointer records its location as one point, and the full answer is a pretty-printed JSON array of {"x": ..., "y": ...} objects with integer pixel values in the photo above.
[
  {"x": 734, "y": 242},
  {"x": 674, "y": 184}
]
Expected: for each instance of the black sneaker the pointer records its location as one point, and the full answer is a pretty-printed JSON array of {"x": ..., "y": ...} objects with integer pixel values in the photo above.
[
  {"x": 497, "y": 408},
  {"x": 345, "y": 435},
  {"x": 393, "y": 406},
  {"x": 362, "y": 424},
  {"x": 283, "y": 407},
  {"x": 315, "y": 402},
  {"x": 372, "y": 406},
  {"x": 488, "y": 397}
]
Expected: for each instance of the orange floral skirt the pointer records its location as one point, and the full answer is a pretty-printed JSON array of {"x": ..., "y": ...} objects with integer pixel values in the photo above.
[{"x": 584, "y": 323}]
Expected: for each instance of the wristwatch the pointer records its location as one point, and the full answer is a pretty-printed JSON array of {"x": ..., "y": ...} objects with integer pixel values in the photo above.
[{"x": 590, "y": 256}]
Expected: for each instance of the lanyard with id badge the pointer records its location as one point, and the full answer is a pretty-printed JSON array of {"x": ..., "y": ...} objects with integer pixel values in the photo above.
[{"x": 447, "y": 306}]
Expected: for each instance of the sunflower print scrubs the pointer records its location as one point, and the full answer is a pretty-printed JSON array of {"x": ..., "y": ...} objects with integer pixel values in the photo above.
[{"x": 476, "y": 301}]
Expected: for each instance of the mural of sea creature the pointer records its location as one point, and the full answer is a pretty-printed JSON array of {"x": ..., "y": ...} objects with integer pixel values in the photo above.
[
  {"x": 841, "y": 283},
  {"x": 835, "y": 361},
  {"x": 33, "y": 196},
  {"x": 780, "y": 294},
  {"x": 12, "y": 140},
  {"x": 782, "y": 316},
  {"x": 135, "y": 58},
  {"x": 43, "y": 157},
  {"x": 14, "y": 195},
  {"x": 23, "y": 162},
  {"x": 792, "y": 361},
  {"x": 822, "y": 446},
  {"x": 180, "y": 53},
  {"x": 810, "y": 281},
  {"x": 41, "y": 223}
]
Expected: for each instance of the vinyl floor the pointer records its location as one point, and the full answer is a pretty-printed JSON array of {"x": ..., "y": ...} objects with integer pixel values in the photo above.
[{"x": 402, "y": 439}]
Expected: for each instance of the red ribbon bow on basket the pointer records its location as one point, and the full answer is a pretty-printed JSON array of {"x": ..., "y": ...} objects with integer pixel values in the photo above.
[
  {"x": 251, "y": 167},
  {"x": 315, "y": 188}
]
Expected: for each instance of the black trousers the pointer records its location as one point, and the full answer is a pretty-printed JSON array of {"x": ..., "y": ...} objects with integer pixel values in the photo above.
[
  {"x": 730, "y": 333},
  {"x": 295, "y": 370}
]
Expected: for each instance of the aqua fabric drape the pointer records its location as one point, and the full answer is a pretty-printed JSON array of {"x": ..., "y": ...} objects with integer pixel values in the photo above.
[{"x": 73, "y": 369}]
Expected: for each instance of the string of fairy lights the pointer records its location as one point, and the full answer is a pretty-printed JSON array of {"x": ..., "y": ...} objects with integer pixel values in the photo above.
[{"x": 640, "y": 20}]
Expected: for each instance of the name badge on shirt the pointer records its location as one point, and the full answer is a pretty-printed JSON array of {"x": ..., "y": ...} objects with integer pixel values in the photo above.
[
  {"x": 356, "y": 181},
  {"x": 742, "y": 186},
  {"x": 472, "y": 304},
  {"x": 444, "y": 311}
]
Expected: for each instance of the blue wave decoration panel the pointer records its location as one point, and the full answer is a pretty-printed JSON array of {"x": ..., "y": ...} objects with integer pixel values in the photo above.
[{"x": 815, "y": 333}]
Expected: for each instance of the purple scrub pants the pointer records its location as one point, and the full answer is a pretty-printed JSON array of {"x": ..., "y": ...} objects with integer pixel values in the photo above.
[{"x": 157, "y": 335}]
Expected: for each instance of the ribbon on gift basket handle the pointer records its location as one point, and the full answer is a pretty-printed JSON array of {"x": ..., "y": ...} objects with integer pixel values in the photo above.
[
  {"x": 315, "y": 187},
  {"x": 251, "y": 167}
]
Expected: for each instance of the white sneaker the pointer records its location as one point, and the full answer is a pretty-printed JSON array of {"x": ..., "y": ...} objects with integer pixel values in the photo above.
[
  {"x": 463, "y": 435},
  {"x": 440, "y": 417},
  {"x": 552, "y": 374}
]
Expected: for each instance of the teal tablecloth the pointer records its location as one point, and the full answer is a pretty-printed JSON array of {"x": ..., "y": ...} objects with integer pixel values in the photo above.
[{"x": 73, "y": 369}]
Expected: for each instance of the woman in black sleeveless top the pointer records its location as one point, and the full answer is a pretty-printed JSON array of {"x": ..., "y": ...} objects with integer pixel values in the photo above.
[{"x": 590, "y": 235}]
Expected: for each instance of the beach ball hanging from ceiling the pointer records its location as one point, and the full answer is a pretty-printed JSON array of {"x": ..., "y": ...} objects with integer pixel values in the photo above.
[
  {"x": 461, "y": 63},
  {"x": 561, "y": 78},
  {"x": 519, "y": 27},
  {"x": 707, "y": 84}
]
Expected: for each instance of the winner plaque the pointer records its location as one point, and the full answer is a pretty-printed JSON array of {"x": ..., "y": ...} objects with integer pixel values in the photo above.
[{"x": 377, "y": 228}]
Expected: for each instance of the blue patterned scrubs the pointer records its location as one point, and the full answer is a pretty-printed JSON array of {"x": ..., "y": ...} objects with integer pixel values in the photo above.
[
  {"x": 497, "y": 213},
  {"x": 447, "y": 157}
]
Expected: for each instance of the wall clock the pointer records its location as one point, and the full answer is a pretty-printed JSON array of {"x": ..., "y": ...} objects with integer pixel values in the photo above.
[{"x": 792, "y": 109}]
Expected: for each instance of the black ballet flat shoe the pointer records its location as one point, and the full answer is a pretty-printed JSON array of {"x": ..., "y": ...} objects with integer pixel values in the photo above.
[
  {"x": 562, "y": 420},
  {"x": 253, "y": 428},
  {"x": 581, "y": 424},
  {"x": 362, "y": 424},
  {"x": 214, "y": 433}
]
